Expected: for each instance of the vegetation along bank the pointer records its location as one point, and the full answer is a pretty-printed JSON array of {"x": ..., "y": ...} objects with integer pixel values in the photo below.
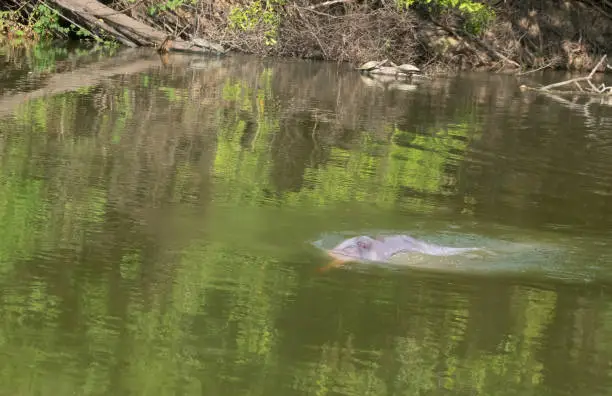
[{"x": 436, "y": 35}]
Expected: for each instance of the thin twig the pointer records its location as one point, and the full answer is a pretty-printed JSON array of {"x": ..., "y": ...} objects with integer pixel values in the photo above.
[
  {"x": 593, "y": 87},
  {"x": 538, "y": 69},
  {"x": 603, "y": 58},
  {"x": 579, "y": 87},
  {"x": 328, "y": 3}
]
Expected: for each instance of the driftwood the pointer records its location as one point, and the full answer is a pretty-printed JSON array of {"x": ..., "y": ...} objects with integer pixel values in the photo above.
[
  {"x": 99, "y": 18},
  {"x": 589, "y": 90}
]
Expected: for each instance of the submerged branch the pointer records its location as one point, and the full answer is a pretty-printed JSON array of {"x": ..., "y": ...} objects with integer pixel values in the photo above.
[{"x": 590, "y": 90}]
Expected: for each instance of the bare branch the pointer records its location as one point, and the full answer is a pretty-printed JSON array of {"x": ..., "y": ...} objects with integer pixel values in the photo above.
[
  {"x": 562, "y": 83},
  {"x": 328, "y": 3},
  {"x": 538, "y": 69},
  {"x": 603, "y": 58},
  {"x": 591, "y": 90}
]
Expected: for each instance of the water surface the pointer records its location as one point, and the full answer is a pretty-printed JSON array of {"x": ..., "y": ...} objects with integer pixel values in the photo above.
[{"x": 158, "y": 216}]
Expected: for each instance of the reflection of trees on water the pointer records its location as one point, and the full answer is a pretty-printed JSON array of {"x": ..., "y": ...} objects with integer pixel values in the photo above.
[
  {"x": 294, "y": 148},
  {"x": 538, "y": 167},
  {"x": 111, "y": 285},
  {"x": 424, "y": 341}
]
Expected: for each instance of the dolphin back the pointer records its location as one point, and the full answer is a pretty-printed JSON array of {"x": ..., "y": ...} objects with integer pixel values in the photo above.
[{"x": 404, "y": 243}]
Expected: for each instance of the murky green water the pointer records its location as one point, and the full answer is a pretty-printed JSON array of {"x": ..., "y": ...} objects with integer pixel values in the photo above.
[{"x": 157, "y": 223}]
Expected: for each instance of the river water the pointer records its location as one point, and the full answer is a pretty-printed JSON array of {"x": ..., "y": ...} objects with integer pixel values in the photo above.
[{"x": 159, "y": 220}]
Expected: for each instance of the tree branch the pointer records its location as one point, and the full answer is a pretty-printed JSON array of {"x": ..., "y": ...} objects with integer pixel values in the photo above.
[{"x": 328, "y": 3}]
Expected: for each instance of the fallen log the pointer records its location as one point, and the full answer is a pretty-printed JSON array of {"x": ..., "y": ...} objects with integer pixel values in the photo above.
[
  {"x": 589, "y": 90},
  {"x": 100, "y": 18}
]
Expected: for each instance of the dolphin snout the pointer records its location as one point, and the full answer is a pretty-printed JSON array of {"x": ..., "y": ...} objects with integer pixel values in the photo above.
[{"x": 339, "y": 256}]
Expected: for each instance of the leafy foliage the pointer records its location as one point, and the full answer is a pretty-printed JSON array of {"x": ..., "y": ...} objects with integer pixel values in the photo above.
[
  {"x": 45, "y": 21},
  {"x": 478, "y": 16},
  {"x": 12, "y": 28},
  {"x": 258, "y": 14}
]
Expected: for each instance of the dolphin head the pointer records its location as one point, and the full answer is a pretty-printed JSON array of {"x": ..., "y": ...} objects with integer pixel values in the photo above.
[{"x": 357, "y": 248}]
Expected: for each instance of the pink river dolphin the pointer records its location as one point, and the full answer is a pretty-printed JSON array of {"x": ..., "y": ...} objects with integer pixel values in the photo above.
[{"x": 382, "y": 249}]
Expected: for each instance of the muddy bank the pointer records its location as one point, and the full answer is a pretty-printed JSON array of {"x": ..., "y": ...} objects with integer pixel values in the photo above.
[{"x": 521, "y": 35}]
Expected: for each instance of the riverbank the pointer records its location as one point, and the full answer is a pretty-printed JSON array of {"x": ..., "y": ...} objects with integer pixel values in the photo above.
[{"x": 439, "y": 36}]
